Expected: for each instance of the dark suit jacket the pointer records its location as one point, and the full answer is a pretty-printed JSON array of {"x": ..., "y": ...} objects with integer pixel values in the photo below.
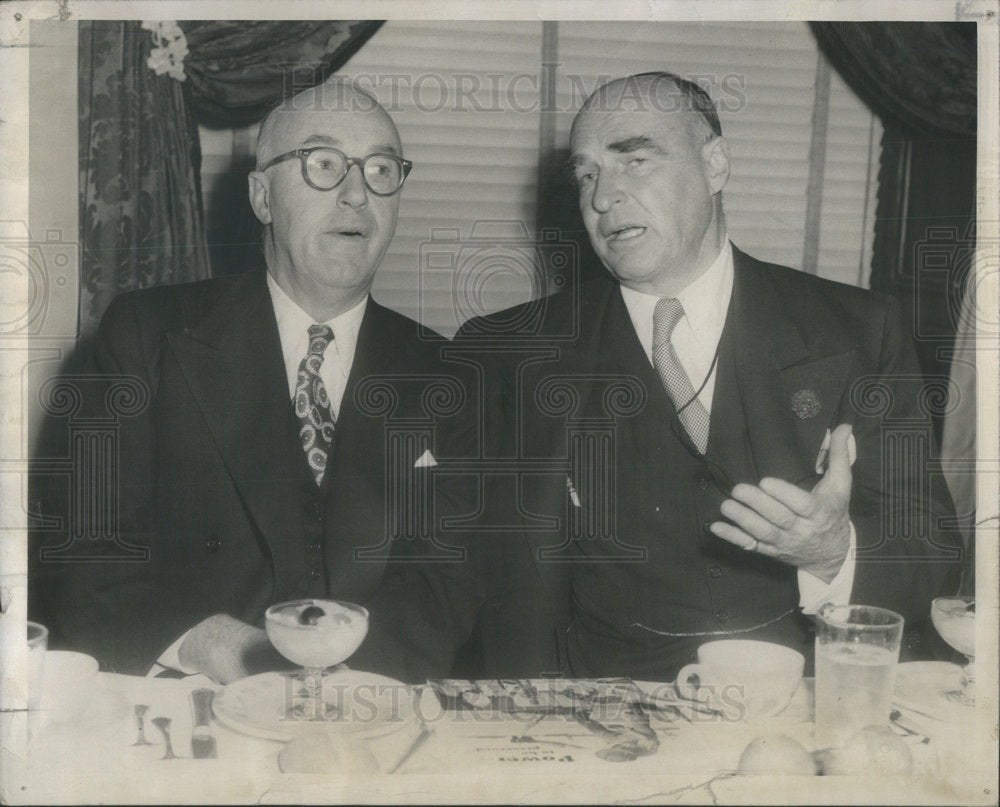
[
  {"x": 574, "y": 356},
  {"x": 216, "y": 510}
]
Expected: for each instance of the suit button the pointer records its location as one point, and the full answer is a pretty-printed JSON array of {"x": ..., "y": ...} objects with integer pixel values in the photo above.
[
  {"x": 913, "y": 641},
  {"x": 314, "y": 547},
  {"x": 318, "y": 511},
  {"x": 701, "y": 481},
  {"x": 315, "y": 574},
  {"x": 706, "y": 526},
  {"x": 212, "y": 543},
  {"x": 722, "y": 615},
  {"x": 715, "y": 571}
]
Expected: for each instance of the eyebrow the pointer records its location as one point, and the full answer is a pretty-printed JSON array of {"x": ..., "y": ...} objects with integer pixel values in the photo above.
[
  {"x": 326, "y": 140},
  {"x": 626, "y": 146},
  {"x": 630, "y": 144}
]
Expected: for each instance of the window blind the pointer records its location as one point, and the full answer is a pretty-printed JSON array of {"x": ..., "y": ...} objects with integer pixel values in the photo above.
[
  {"x": 466, "y": 98},
  {"x": 762, "y": 78},
  {"x": 849, "y": 188}
]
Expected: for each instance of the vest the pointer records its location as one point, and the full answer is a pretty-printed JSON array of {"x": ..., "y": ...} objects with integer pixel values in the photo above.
[{"x": 644, "y": 616}]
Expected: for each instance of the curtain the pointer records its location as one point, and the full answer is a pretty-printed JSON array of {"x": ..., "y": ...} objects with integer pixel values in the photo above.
[
  {"x": 920, "y": 79},
  {"x": 239, "y": 69},
  {"x": 919, "y": 75},
  {"x": 141, "y": 216},
  {"x": 140, "y": 205}
]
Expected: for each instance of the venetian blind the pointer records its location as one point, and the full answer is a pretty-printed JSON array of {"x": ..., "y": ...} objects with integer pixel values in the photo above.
[
  {"x": 850, "y": 185},
  {"x": 466, "y": 98},
  {"x": 762, "y": 77}
]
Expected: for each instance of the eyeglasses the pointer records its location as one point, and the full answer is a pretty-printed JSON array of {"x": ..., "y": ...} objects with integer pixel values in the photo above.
[{"x": 324, "y": 168}]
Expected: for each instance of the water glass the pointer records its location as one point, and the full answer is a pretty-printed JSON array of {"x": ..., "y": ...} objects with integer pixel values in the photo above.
[{"x": 857, "y": 649}]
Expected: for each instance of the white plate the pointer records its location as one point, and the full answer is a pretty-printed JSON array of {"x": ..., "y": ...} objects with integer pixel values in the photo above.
[
  {"x": 275, "y": 706},
  {"x": 924, "y": 687}
]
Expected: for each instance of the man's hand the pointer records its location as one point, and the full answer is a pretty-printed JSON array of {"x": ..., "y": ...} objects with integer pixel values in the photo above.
[
  {"x": 226, "y": 649},
  {"x": 808, "y": 530}
]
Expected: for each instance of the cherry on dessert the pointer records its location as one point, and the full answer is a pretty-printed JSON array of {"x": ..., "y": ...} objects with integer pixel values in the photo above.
[{"x": 310, "y": 615}]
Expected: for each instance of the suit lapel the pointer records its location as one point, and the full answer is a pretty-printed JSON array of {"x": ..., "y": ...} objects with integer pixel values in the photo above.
[
  {"x": 789, "y": 395},
  {"x": 358, "y": 437},
  {"x": 643, "y": 437},
  {"x": 233, "y": 365}
]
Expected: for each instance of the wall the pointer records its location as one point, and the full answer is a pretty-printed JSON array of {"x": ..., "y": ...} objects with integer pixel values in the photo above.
[{"x": 484, "y": 108}]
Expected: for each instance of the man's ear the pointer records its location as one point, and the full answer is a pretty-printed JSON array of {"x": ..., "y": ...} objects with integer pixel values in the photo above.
[
  {"x": 715, "y": 155},
  {"x": 259, "y": 188}
]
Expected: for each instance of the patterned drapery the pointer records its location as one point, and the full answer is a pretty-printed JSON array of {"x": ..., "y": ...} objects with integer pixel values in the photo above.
[
  {"x": 141, "y": 217},
  {"x": 140, "y": 205}
]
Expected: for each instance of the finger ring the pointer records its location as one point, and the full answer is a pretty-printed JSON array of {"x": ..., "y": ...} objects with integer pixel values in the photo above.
[{"x": 753, "y": 547}]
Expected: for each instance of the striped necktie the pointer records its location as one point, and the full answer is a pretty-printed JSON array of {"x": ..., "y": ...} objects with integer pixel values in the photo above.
[{"x": 690, "y": 410}]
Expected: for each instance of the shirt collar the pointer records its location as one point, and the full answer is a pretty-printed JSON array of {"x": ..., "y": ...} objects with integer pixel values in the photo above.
[
  {"x": 294, "y": 323},
  {"x": 705, "y": 301}
]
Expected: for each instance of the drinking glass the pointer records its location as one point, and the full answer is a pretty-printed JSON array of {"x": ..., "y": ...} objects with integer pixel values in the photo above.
[
  {"x": 316, "y": 634},
  {"x": 857, "y": 649},
  {"x": 38, "y": 641},
  {"x": 955, "y": 619}
]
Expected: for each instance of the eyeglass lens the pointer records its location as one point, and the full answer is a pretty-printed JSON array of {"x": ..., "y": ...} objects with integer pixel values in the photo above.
[{"x": 382, "y": 173}]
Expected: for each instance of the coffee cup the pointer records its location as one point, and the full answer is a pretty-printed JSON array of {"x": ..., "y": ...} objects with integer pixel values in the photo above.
[{"x": 742, "y": 679}]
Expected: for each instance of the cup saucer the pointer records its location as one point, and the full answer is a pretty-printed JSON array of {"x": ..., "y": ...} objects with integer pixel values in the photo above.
[
  {"x": 276, "y": 706},
  {"x": 927, "y": 687}
]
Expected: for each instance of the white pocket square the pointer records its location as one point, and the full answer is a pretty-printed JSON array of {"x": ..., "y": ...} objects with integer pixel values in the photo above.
[
  {"x": 426, "y": 460},
  {"x": 822, "y": 459}
]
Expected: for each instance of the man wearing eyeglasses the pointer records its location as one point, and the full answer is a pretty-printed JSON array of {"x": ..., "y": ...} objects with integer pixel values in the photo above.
[{"x": 258, "y": 471}]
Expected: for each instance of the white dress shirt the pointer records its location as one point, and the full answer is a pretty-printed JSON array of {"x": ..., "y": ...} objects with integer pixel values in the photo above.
[
  {"x": 293, "y": 333},
  {"x": 695, "y": 339}
]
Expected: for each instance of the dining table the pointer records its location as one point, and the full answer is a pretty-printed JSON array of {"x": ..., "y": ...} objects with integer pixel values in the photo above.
[{"x": 454, "y": 741}]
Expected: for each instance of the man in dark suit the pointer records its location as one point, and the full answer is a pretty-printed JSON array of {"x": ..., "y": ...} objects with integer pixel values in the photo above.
[
  {"x": 288, "y": 424},
  {"x": 685, "y": 430},
  {"x": 710, "y": 409}
]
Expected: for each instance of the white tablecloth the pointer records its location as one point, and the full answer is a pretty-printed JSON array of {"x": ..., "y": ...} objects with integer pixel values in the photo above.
[{"x": 462, "y": 761}]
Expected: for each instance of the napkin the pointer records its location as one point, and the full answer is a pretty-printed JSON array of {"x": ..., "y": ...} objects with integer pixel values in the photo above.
[{"x": 396, "y": 750}]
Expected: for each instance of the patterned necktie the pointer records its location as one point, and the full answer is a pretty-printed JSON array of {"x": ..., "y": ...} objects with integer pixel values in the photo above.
[
  {"x": 691, "y": 411},
  {"x": 312, "y": 404}
]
